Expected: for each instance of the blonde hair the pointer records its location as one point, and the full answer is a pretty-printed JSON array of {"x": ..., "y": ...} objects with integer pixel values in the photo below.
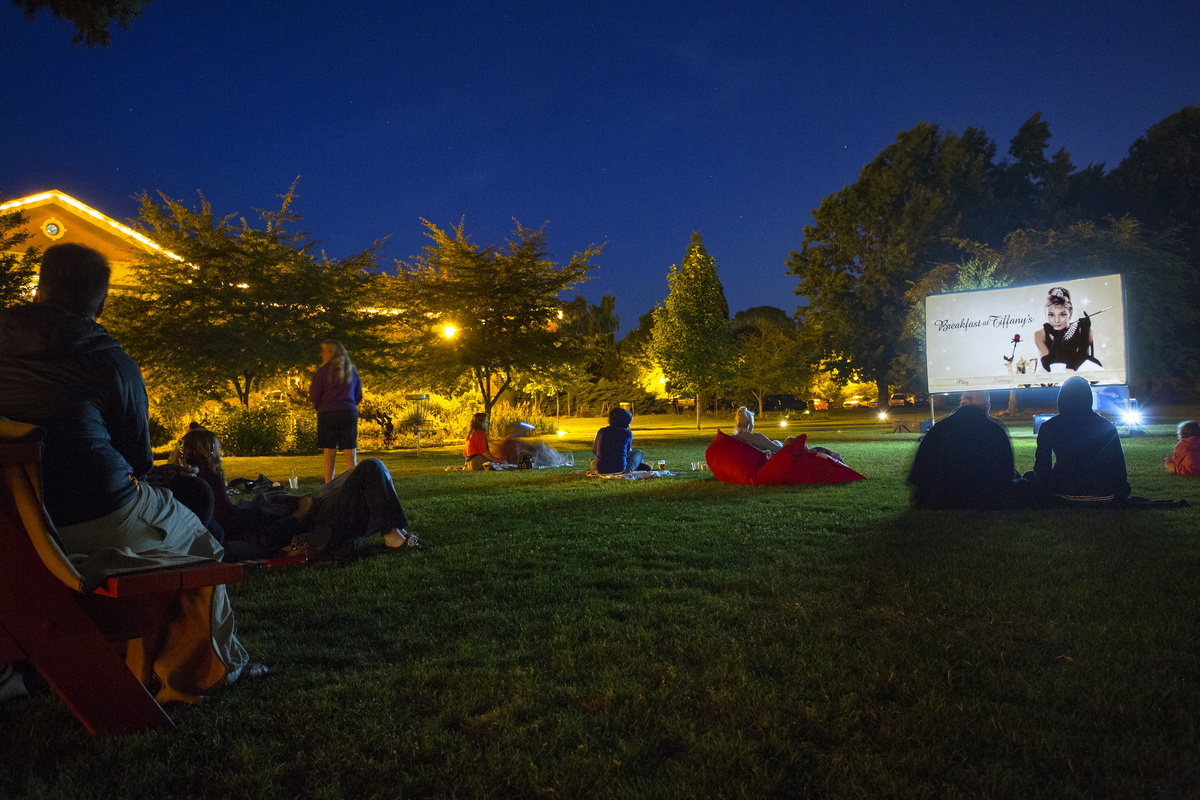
[
  {"x": 201, "y": 449},
  {"x": 743, "y": 418},
  {"x": 342, "y": 367}
]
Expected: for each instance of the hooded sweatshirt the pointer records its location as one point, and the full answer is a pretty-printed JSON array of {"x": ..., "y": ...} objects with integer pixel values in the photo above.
[
  {"x": 65, "y": 373},
  {"x": 1079, "y": 453},
  {"x": 612, "y": 443}
]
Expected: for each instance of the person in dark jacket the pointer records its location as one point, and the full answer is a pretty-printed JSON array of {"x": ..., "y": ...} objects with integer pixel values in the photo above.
[
  {"x": 613, "y": 445},
  {"x": 61, "y": 370},
  {"x": 1079, "y": 455},
  {"x": 965, "y": 460}
]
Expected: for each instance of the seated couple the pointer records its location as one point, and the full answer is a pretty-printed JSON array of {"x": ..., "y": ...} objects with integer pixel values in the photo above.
[
  {"x": 513, "y": 449},
  {"x": 338, "y": 516},
  {"x": 966, "y": 459}
]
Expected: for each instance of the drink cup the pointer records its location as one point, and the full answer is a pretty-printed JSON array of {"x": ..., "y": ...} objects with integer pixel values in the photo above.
[{"x": 293, "y": 482}]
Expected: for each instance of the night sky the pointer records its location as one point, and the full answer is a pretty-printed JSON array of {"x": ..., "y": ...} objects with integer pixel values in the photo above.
[{"x": 631, "y": 123}]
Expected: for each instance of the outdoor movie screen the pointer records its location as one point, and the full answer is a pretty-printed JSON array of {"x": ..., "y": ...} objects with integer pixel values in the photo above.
[{"x": 1036, "y": 335}]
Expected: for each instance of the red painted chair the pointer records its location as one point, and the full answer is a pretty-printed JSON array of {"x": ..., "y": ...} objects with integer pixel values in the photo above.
[{"x": 72, "y": 638}]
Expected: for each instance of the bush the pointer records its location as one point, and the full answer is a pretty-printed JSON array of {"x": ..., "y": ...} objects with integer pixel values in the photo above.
[
  {"x": 258, "y": 431},
  {"x": 303, "y": 440}
]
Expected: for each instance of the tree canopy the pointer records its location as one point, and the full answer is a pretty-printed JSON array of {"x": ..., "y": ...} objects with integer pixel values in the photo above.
[
  {"x": 16, "y": 271},
  {"x": 92, "y": 18},
  {"x": 487, "y": 312},
  {"x": 693, "y": 338},
  {"x": 239, "y": 305}
]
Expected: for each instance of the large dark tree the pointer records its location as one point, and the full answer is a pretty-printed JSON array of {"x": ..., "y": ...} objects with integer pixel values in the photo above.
[
  {"x": 487, "y": 312},
  {"x": 92, "y": 18},
  {"x": 875, "y": 238}
]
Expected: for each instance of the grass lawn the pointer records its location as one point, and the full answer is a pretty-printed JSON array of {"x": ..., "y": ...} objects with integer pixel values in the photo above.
[{"x": 560, "y": 636}]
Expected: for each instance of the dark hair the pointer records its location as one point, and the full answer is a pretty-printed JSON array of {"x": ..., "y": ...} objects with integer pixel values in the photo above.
[
  {"x": 1059, "y": 296},
  {"x": 1189, "y": 429},
  {"x": 478, "y": 420},
  {"x": 202, "y": 449},
  {"x": 74, "y": 277}
]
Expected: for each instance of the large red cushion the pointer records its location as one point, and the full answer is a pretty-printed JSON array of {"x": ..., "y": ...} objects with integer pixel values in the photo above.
[
  {"x": 793, "y": 464},
  {"x": 732, "y": 460}
]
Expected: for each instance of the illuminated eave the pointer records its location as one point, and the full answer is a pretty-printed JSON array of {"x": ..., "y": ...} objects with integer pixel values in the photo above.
[{"x": 123, "y": 230}]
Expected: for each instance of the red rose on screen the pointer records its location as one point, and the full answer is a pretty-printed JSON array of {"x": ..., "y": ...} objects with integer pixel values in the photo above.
[{"x": 1017, "y": 339}]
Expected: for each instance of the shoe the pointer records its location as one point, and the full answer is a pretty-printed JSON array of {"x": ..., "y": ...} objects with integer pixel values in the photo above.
[
  {"x": 397, "y": 539},
  {"x": 310, "y": 544}
]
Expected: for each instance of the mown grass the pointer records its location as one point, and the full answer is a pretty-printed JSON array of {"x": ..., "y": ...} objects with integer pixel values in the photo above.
[{"x": 560, "y": 636}]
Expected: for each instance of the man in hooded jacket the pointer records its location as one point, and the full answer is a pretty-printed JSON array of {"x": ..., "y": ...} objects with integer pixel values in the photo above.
[
  {"x": 1079, "y": 455},
  {"x": 60, "y": 369}
]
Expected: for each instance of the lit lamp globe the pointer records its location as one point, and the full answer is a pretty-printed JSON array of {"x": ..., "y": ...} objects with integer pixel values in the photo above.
[{"x": 449, "y": 330}]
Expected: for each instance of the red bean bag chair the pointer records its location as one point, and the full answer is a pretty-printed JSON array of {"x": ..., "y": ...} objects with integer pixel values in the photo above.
[
  {"x": 732, "y": 460},
  {"x": 793, "y": 464}
]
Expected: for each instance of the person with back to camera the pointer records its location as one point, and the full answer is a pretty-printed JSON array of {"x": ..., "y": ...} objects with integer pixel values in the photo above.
[
  {"x": 613, "y": 446},
  {"x": 1186, "y": 458},
  {"x": 340, "y": 514},
  {"x": 477, "y": 451},
  {"x": 965, "y": 460},
  {"x": 335, "y": 392},
  {"x": 744, "y": 421},
  {"x": 61, "y": 370},
  {"x": 1061, "y": 341},
  {"x": 1079, "y": 456}
]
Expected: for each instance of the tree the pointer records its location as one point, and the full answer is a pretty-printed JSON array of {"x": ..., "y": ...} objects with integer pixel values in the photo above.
[
  {"x": 485, "y": 311},
  {"x": 1159, "y": 181},
  {"x": 773, "y": 360},
  {"x": 16, "y": 271},
  {"x": 236, "y": 306},
  {"x": 874, "y": 238},
  {"x": 693, "y": 338},
  {"x": 91, "y": 17}
]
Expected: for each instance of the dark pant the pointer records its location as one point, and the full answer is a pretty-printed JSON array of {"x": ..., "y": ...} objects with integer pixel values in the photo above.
[{"x": 364, "y": 502}]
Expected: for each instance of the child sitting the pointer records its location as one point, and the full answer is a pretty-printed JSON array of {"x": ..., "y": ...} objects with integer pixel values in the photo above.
[
  {"x": 613, "y": 446},
  {"x": 1186, "y": 458}
]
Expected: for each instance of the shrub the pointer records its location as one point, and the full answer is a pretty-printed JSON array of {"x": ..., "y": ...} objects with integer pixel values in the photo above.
[
  {"x": 258, "y": 431},
  {"x": 303, "y": 439}
]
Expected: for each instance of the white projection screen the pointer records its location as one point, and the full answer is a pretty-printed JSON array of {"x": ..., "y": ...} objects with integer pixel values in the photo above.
[{"x": 970, "y": 337}]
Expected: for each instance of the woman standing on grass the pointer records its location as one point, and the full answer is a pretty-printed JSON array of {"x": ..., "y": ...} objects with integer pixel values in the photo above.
[{"x": 336, "y": 392}]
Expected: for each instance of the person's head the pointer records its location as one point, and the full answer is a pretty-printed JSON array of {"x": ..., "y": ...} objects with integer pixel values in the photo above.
[
  {"x": 977, "y": 399},
  {"x": 1189, "y": 429},
  {"x": 73, "y": 277},
  {"x": 619, "y": 417},
  {"x": 202, "y": 449},
  {"x": 479, "y": 422},
  {"x": 1074, "y": 395},
  {"x": 1058, "y": 308},
  {"x": 743, "y": 418},
  {"x": 333, "y": 350}
]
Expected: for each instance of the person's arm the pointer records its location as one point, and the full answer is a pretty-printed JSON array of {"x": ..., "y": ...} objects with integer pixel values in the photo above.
[
  {"x": 127, "y": 416},
  {"x": 1039, "y": 339},
  {"x": 316, "y": 387},
  {"x": 1043, "y": 457},
  {"x": 596, "y": 443},
  {"x": 356, "y": 390}
]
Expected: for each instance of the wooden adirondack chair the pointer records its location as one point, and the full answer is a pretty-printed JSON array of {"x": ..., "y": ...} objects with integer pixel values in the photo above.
[{"x": 72, "y": 638}]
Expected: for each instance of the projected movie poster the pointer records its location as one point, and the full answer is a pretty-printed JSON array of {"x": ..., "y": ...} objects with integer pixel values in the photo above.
[{"x": 1036, "y": 335}]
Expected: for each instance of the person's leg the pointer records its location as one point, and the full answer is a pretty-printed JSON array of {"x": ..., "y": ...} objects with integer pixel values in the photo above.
[
  {"x": 330, "y": 462},
  {"x": 365, "y": 503},
  {"x": 351, "y": 459},
  {"x": 476, "y": 463},
  {"x": 635, "y": 460}
]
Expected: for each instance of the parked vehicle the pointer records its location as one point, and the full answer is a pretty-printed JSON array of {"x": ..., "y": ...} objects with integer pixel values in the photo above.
[
  {"x": 902, "y": 399},
  {"x": 854, "y": 402},
  {"x": 817, "y": 404}
]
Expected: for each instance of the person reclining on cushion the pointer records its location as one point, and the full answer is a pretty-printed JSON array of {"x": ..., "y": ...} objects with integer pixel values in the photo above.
[{"x": 744, "y": 420}]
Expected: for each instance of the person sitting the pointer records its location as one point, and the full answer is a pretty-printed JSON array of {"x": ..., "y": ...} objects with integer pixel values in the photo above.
[
  {"x": 339, "y": 515},
  {"x": 515, "y": 448},
  {"x": 613, "y": 446},
  {"x": 965, "y": 460},
  {"x": 476, "y": 451},
  {"x": 744, "y": 421},
  {"x": 60, "y": 369},
  {"x": 1186, "y": 458},
  {"x": 1079, "y": 455}
]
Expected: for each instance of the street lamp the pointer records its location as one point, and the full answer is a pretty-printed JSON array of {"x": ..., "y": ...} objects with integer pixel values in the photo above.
[{"x": 449, "y": 330}]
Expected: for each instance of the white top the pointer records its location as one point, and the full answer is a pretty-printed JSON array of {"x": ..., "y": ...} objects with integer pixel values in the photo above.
[{"x": 755, "y": 439}]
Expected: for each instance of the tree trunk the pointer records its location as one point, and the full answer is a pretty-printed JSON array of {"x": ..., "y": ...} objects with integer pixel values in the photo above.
[
  {"x": 699, "y": 396},
  {"x": 759, "y": 397},
  {"x": 881, "y": 387},
  {"x": 1013, "y": 406}
]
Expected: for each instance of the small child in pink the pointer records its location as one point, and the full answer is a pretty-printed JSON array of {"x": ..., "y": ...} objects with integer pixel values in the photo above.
[{"x": 1186, "y": 458}]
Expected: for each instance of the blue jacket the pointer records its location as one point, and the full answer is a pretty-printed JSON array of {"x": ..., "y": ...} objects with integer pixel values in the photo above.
[{"x": 613, "y": 442}]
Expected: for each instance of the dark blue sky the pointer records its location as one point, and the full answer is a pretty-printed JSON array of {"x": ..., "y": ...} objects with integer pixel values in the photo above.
[{"x": 631, "y": 123}]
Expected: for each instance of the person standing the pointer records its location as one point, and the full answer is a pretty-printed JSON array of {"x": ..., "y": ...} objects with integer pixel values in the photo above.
[{"x": 336, "y": 392}]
